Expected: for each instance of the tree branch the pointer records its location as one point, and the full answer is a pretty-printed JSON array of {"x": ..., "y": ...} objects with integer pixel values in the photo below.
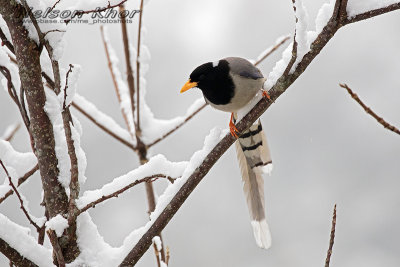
[
  {"x": 177, "y": 127},
  {"x": 14, "y": 256},
  {"x": 332, "y": 238},
  {"x": 271, "y": 50},
  {"x": 20, "y": 181},
  {"x": 279, "y": 87},
  {"x": 9, "y": 135},
  {"x": 97, "y": 10},
  {"x": 151, "y": 178},
  {"x": 21, "y": 202},
  {"x": 370, "y": 111},
  {"x": 373, "y": 13}
]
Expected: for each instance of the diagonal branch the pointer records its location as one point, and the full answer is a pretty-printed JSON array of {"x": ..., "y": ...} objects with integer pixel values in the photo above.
[
  {"x": 373, "y": 13},
  {"x": 97, "y": 10},
  {"x": 14, "y": 256},
  {"x": 168, "y": 210},
  {"x": 21, "y": 180},
  {"x": 178, "y": 126},
  {"x": 22, "y": 206},
  {"x": 151, "y": 178},
  {"x": 370, "y": 111},
  {"x": 332, "y": 239},
  {"x": 270, "y": 50},
  {"x": 11, "y": 131}
]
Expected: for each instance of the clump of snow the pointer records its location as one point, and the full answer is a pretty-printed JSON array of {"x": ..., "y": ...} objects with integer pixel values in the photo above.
[
  {"x": 157, "y": 241},
  {"x": 21, "y": 162},
  {"x": 279, "y": 68},
  {"x": 53, "y": 108},
  {"x": 58, "y": 224},
  {"x": 80, "y": 154},
  {"x": 19, "y": 238}
]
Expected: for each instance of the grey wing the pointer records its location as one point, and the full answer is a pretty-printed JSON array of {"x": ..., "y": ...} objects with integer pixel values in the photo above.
[{"x": 244, "y": 68}]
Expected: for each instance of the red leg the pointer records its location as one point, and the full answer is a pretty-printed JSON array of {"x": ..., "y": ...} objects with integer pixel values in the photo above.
[
  {"x": 233, "y": 128},
  {"x": 266, "y": 95}
]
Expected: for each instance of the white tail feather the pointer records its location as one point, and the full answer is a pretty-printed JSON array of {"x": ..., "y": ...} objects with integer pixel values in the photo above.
[{"x": 262, "y": 234}]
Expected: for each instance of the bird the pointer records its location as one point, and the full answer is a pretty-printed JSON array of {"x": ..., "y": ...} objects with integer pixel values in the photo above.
[{"x": 230, "y": 84}]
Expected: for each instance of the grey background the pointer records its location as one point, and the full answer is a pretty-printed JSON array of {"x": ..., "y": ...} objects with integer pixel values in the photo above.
[{"x": 325, "y": 148}]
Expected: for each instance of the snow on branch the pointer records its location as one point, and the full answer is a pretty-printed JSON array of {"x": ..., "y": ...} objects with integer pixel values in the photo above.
[
  {"x": 158, "y": 166},
  {"x": 120, "y": 86},
  {"x": 370, "y": 111},
  {"x": 160, "y": 129},
  {"x": 102, "y": 120},
  {"x": 10, "y": 131},
  {"x": 267, "y": 52},
  {"x": 19, "y": 239}
]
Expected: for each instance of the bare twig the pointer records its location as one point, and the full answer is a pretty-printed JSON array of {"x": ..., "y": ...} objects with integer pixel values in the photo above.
[
  {"x": 12, "y": 133},
  {"x": 6, "y": 42},
  {"x": 22, "y": 206},
  {"x": 370, "y": 111},
  {"x": 54, "y": 6},
  {"x": 56, "y": 248},
  {"x": 66, "y": 84},
  {"x": 138, "y": 70},
  {"x": 118, "y": 192},
  {"x": 273, "y": 49},
  {"x": 97, "y": 10},
  {"x": 50, "y": 31},
  {"x": 21, "y": 180},
  {"x": 332, "y": 238},
  {"x": 178, "y": 126},
  {"x": 117, "y": 90}
]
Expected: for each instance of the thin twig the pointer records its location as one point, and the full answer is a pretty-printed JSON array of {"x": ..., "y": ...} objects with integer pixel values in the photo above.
[
  {"x": 97, "y": 10},
  {"x": 12, "y": 133},
  {"x": 38, "y": 228},
  {"x": 369, "y": 111},
  {"x": 118, "y": 192},
  {"x": 332, "y": 238},
  {"x": 6, "y": 42},
  {"x": 273, "y": 49},
  {"x": 138, "y": 131},
  {"x": 114, "y": 79},
  {"x": 21, "y": 180},
  {"x": 66, "y": 84},
  {"x": 177, "y": 127},
  {"x": 56, "y": 3},
  {"x": 294, "y": 49}
]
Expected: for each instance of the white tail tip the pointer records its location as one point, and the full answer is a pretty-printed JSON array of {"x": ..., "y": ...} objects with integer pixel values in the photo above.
[{"x": 262, "y": 233}]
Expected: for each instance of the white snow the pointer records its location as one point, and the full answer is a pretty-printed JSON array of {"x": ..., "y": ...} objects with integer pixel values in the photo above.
[
  {"x": 156, "y": 165},
  {"x": 301, "y": 32},
  {"x": 53, "y": 108},
  {"x": 20, "y": 239},
  {"x": 268, "y": 49},
  {"x": 21, "y": 162},
  {"x": 80, "y": 154},
  {"x": 102, "y": 119},
  {"x": 58, "y": 224},
  {"x": 355, "y": 7}
]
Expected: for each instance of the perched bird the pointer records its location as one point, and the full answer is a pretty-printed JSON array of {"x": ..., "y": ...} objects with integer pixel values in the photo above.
[{"x": 229, "y": 85}]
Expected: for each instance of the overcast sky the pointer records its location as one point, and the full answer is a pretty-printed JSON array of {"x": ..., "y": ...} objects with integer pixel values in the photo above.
[{"x": 325, "y": 148}]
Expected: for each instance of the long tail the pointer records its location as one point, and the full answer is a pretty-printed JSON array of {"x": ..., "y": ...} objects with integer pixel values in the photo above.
[{"x": 254, "y": 160}]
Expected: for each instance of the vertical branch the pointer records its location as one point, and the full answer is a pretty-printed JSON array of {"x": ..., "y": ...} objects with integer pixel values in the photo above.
[
  {"x": 129, "y": 70},
  {"x": 138, "y": 132},
  {"x": 332, "y": 238}
]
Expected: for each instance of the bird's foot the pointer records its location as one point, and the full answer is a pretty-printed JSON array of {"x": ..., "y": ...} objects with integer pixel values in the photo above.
[
  {"x": 232, "y": 128},
  {"x": 266, "y": 95}
]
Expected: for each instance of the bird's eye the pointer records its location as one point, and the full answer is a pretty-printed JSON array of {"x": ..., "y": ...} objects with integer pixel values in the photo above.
[{"x": 202, "y": 76}]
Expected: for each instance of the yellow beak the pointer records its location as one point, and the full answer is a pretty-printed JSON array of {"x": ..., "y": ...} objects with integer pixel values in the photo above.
[{"x": 188, "y": 85}]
